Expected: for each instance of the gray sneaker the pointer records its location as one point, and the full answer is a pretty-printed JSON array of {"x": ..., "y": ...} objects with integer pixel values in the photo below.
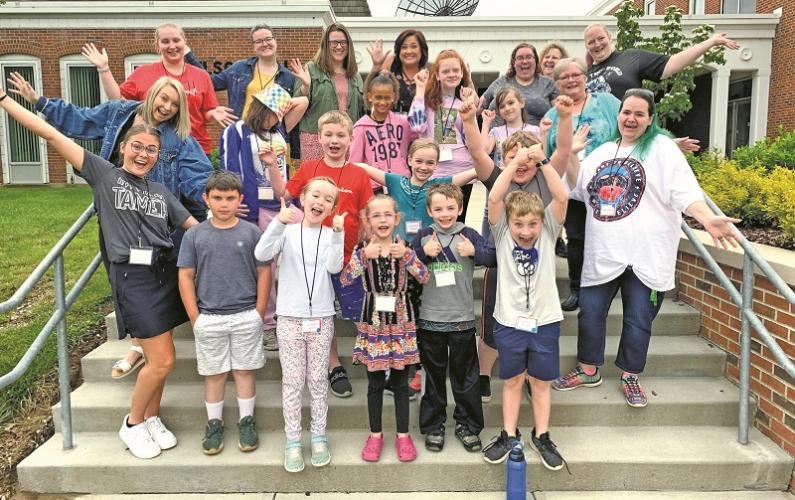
[
  {"x": 270, "y": 343},
  {"x": 213, "y": 441},
  {"x": 247, "y": 434}
]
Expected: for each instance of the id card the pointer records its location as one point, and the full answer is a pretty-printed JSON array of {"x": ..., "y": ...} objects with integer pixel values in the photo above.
[
  {"x": 385, "y": 303},
  {"x": 444, "y": 277},
  {"x": 527, "y": 324},
  {"x": 607, "y": 210},
  {"x": 265, "y": 193},
  {"x": 445, "y": 154},
  {"x": 310, "y": 326},
  {"x": 413, "y": 226},
  {"x": 141, "y": 256}
]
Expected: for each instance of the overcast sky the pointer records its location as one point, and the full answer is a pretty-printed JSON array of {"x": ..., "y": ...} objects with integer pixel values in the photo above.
[{"x": 386, "y": 8}]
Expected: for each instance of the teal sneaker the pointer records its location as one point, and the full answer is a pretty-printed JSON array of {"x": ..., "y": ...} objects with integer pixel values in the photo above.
[
  {"x": 213, "y": 441},
  {"x": 247, "y": 432},
  {"x": 577, "y": 378},
  {"x": 293, "y": 456},
  {"x": 320, "y": 453}
]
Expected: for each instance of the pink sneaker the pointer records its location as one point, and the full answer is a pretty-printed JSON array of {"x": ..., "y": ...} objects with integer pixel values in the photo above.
[
  {"x": 372, "y": 448},
  {"x": 406, "y": 451}
]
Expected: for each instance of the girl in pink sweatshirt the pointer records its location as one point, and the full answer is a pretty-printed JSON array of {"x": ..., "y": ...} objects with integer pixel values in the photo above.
[{"x": 381, "y": 139}]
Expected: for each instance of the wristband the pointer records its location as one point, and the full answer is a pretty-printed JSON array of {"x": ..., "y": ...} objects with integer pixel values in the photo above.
[
  {"x": 3, "y": 98},
  {"x": 543, "y": 162}
]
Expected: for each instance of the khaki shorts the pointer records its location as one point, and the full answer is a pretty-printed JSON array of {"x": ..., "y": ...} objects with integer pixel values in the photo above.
[{"x": 226, "y": 342}]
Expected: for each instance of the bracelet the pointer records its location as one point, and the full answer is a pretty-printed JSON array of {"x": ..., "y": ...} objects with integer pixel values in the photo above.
[
  {"x": 543, "y": 162},
  {"x": 100, "y": 70},
  {"x": 3, "y": 98}
]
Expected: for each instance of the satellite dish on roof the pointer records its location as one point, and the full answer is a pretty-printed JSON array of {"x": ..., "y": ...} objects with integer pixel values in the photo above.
[{"x": 436, "y": 7}]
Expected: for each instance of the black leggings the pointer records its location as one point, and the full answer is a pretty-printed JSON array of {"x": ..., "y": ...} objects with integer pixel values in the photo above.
[
  {"x": 376, "y": 381},
  {"x": 575, "y": 241},
  {"x": 467, "y": 190}
]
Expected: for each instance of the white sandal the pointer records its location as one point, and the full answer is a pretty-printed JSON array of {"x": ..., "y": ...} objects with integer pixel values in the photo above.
[{"x": 125, "y": 367}]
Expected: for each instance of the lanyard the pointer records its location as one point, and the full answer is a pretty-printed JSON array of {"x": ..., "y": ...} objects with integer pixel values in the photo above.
[
  {"x": 445, "y": 127},
  {"x": 140, "y": 217},
  {"x": 259, "y": 78},
  {"x": 526, "y": 265},
  {"x": 613, "y": 172},
  {"x": 445, "y": 247},
  {"x": 339, "y": 175},
  {"x": 310, "y": 291},
  {"x": 517, "y": 130}
]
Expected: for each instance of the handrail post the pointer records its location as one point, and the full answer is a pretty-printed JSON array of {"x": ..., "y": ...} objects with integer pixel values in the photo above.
[
  {"x": 63, "y": 355},
  {"x": 745, "y": 347}
]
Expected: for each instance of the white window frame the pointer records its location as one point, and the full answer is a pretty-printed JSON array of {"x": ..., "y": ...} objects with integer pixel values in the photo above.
[
  {"x": 35, "y": 62},
  {"x": 697, "y": 7},
  {"x": 66, "y": 63},
  {"x": 132, "y": 62},
  {"x": 735, "y": 11},
  {"x": 649, "y": 6}
]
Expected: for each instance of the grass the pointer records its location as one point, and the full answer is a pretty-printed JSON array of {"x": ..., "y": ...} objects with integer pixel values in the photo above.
[{"x": 32, "y": 219}]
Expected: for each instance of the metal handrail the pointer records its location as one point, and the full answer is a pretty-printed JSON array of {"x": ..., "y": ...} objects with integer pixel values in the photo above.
[
  {"x": 744, "y": 299},
  {"x": 57, "y": 320}
]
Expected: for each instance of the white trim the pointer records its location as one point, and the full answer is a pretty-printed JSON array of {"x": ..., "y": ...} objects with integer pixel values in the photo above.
[
  {"x": 148, "y": 14},
  {"x": 132, "y": 62},
  {"x": 21, "y": 60},
  {"x": 604, "y": 7},
  {"x": 692, "y": 7}
]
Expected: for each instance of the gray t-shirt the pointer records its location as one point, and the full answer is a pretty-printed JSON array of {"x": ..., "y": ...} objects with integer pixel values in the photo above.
[
  {"x": 538, "y": 97},
  {"x": 519, "y": 293},
  {"x": 132, "y": 211},
  {"x": 625, "y": 70},
  {"x": 226, "y": 269}
]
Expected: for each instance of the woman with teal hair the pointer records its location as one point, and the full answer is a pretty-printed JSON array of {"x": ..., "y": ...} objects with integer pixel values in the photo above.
[{"x": 635, "y": 189}]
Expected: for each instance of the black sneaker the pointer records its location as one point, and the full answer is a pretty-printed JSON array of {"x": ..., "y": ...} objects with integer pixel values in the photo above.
[
  {"x": 560, "y": 248},
  {"x": 434, "y": 440},
  {"x": 528, "y": 389},
  {"x": 500, "y": 447},
  {"x": 470, "y": 441},
  {"x": 548, "y": 451},
  {"x": 572, "y": 302},
  {"x": 340, "y": 385},
  {"x": 485, "y": 388}
]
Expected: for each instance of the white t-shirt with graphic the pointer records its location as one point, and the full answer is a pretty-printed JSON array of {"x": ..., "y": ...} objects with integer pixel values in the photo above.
[{"x": 634, "y": 211}]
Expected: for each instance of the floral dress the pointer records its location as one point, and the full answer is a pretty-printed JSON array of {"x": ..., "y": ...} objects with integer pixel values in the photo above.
[{"x": 385, "y": 338}]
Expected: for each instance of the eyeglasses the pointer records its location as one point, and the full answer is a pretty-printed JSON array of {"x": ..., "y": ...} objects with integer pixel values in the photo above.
[
  {"x": 574, "y": 77},
  {"x": 262, "y": 41},
  {"x": 338, "y": 43},
  {"x": 524, "y": 58},
  {"x": 387, "y": 215},
  {"x": 139, "y": 148}
]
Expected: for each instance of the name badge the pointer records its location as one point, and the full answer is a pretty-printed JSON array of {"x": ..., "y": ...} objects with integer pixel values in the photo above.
[
  {"x": 265, "y": 193},
  {"x": 141, "y": 256},
  {"x": 444, "y": 277},
  {"x": 527, "y": 324},
  {"x": 445, "y": 154},
  {"x": 607, "y": 210},
  {"x": 385, "y": 303},
  {"x": 310, "y": 326},
  {"x": 413, "y": 226}
]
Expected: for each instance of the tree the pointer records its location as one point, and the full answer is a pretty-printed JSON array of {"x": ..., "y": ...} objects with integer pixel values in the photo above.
[{"x": 675, "y": 90}]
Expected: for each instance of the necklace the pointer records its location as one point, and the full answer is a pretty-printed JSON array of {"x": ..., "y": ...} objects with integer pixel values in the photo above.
[{"x": 259, "y": 78}]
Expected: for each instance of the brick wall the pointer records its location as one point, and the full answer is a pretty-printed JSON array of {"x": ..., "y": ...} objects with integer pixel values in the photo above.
[
  {"x": 222, "y": 45},
  {"x": 782, "y": 75},
  {"x": 720, "y": 324}
]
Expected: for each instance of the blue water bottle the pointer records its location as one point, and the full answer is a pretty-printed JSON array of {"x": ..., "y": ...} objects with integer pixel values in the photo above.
[{"x": 516, "y": 480}]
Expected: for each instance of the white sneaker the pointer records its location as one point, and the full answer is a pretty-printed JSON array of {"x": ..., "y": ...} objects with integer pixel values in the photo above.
[
  {"x": 164, "y": 438},
  {"x": 138, "y": 440}
]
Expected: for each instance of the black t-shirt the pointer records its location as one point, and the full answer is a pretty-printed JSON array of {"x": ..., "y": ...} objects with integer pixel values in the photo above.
[{"x": 625, "y": 70}]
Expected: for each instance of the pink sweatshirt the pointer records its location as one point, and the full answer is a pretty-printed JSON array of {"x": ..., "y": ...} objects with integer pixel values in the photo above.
[{"x": 383, "y": 145}]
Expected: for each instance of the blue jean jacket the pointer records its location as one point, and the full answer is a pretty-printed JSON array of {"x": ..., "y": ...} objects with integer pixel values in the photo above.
[
  {"x": 236, "y": 78},
  {"x": 181, "y": 165}
]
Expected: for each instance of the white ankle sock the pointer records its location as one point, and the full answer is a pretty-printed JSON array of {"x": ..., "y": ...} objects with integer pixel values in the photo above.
[
  {"x": 246, "y": 407},
  {"x": 215, "y": 410}
]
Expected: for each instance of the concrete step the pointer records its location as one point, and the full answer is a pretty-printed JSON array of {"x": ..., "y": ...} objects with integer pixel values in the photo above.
[
  {"x": 600, "y": 458},
  {"x": 674, "y": 318},
  {"x": 459, "y": 495},
  {"x": 685, "y": 355},
  {"x": 99, "y": 407}
]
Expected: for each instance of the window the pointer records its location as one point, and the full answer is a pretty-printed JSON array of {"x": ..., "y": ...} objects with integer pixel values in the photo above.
[
  {"x": 132, "y": 62},
  {"x": 697, "y": 7},
  {"x": 738, "y": 7},
  {"x": 738, "y": 129},
  {"x": 80, "y": 86},
  {"x": 23, "y": 155},
  {"x": 649, "y": 7}
]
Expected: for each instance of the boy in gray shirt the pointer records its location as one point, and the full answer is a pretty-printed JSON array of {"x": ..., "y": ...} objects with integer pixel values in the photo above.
[
  {"x": 447, "y": 319},
  {"x": 225, "y": 290}
]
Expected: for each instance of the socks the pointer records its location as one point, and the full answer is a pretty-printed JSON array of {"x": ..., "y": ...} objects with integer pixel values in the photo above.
[
  {"x": 215, "y": 411},
  {"x": 246, "y": 407}
]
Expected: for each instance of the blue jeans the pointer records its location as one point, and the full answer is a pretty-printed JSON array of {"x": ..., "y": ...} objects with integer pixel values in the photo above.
[{"x": 639, "y": 311}]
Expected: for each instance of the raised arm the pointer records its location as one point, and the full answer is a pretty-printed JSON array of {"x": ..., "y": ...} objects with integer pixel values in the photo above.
[
  {"x": 488, "y": 116},
  {"x": 580, "y": 142},
  {"x": 560, "y": 158},
  {"x": 560, "y": 197},
  {"x": 465, "y": 177},
  {"x": 680, "y": 61},
  {"x": 99, "y": 58},
  {"x": 303, "y": 81},
  {"x": 295, "y": 112},
  {"x": 418, "y": 115},
  {"x": 496, "y": 200},
  {"x": 482, "y": 162},
  {"x": 70, "y": 151},
  {"x": 375, "y": 174}
]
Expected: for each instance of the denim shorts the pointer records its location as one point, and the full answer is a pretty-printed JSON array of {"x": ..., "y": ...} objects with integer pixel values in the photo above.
[{"x": 520, "y": 351}]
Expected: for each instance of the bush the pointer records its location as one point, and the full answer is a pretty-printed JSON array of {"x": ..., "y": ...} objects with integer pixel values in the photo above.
[
  {"x": 778, "y": 199},
  {"x": 778, "y": 151}
]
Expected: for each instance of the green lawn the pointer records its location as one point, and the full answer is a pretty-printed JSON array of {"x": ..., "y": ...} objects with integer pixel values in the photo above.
[{"x": 32, "y": 219}]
